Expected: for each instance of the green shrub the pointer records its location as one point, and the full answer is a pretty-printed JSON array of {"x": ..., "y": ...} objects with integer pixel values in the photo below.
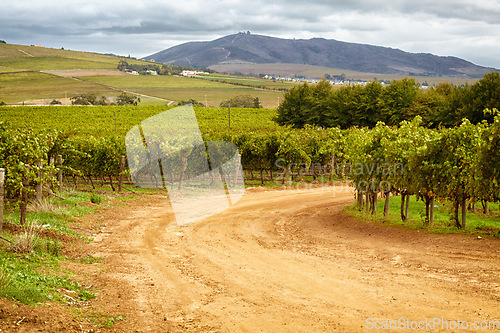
[{"x": 95, "y": 198}]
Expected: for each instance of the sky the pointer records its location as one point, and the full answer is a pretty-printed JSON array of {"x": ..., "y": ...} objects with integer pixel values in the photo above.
[{"x": 461, "y": 28}]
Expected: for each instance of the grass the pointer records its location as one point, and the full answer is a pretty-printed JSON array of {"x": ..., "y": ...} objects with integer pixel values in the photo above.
[
  {"x": 43, "y": 58},
  {"x": 25, "y": 86},
  {"x": 100, "y": 318},
  {"x": 27, "y": 240},
  {"x": 29, "y": 286},
  {"x": 30, "y": 272},
  {"x": 477, "y": 222},
  {"x": 95, "y": 198},
  {"x": 54, "y": 62},
  {"x": 177, "y": 88},
  {"x": 55, "y": 213}
]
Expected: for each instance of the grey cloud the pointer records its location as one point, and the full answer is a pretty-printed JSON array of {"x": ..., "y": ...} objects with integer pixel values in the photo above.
[{"x": 419, "y": 26}]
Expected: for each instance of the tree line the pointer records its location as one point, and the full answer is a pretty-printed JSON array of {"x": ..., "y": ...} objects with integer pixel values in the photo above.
[
  {"x": 445, "y": 105},
  {"x": 91, "y": 99}
]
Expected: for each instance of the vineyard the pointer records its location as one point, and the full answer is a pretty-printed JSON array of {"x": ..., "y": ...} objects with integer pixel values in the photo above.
[
  {"x": 104, "y": 121},
  {"x": 459, "y": 164}
]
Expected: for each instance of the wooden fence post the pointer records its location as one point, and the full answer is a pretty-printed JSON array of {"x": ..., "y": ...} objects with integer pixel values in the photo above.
[
  {"x": 24, "y": 197},
  {"x": 60, "y": 174},
  {"x": 122, "y": 169},
  {"x": 2, "y": 177},
  {"x": 39, "y": 184},
  {"x": 51, "y": 163}
]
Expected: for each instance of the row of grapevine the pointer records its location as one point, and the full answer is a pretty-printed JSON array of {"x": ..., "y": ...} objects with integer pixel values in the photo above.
[
  {"x": 29, "y": 159},
  {"x": 288, "y": 153},
  {"x": 460, "y": 164}
]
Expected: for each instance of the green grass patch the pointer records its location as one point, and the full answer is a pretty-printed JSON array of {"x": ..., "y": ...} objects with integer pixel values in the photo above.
[
  {"x": 100, "y": 319},
  {"x": 477, "y": 222},
  {"x": 55, "y": 213},
  {"x": 26, "y": 284},
  {"x": 43, "y": 58},
  {"x": 30, "y": 269},
  {"x": 55, "y": 62}
]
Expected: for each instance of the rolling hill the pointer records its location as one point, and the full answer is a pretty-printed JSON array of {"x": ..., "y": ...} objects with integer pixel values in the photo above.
[
  {"x": 35, "y": 75},
  {"x": 246, "y": 48}
]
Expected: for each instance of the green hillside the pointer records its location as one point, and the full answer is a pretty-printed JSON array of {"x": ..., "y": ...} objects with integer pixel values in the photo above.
[
  {"x": 178, "y": 88},
  {"x": 41, "y": 58},
  {"x": 37, "y": 75},
  {"x": 26, "y": 86},
  {"x": 22, "y": 79}
]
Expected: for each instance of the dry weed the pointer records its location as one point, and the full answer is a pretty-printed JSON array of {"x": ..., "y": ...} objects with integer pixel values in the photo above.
[{"x": 26, "y": 241}]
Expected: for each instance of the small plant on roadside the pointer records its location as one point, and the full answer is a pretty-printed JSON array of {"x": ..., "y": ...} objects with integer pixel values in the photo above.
[
  {"x": 111, "y": 321},
  {"x": 5, "y": 279},
  {"x": 101, "y": 319},
  {"x": 95, "y": 198},
  {"x": 53, "y": 247}
]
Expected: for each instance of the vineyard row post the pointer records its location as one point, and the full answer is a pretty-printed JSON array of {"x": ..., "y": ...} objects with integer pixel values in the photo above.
[
  {"x": 39, "y": 185},
  {"x": 24, "y": 197},
  {"x": 51, "y": 163},
  {"x": 60, "y": 173},
  {"x": 122, "y": 170}
]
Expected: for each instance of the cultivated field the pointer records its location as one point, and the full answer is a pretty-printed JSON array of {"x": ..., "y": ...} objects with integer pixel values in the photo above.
[
  {"x": 37, "y": 75},
  {"x": 181, "y": 88}
]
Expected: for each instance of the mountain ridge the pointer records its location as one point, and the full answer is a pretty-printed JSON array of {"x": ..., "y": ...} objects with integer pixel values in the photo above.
[{"x": 331, "y": 53}]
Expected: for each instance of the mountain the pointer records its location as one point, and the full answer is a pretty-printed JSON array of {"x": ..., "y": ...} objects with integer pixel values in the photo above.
[{"x": 258, "y": 49}]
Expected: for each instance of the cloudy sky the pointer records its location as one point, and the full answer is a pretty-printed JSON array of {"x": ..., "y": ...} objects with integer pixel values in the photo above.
[{"x": 469, "y": 29}]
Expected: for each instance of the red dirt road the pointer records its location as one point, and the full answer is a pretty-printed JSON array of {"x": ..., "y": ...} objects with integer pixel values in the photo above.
[{"x": 287, "y": 261}]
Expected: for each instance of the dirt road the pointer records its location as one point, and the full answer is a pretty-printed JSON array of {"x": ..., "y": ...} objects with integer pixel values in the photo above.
[{"x": 287, "y": 261}]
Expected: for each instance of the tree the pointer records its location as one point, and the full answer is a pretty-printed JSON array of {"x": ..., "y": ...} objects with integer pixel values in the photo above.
[
  {"x": 295, "y": 106},
  {"x": 191, "y": 101},
  {"x": 319, "y": 101},
  {"x": 369, "y": 111},
  {"x": 84, "y": 99},
  {"x": 127, "y": 99},
  {"x": 242, "y": 101},
  {"x": 484, "y": 94},
  {"x": 343, "y": 107},
  {"x": 397, "y": 99},
  {"x": 102, "y": 101}
]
